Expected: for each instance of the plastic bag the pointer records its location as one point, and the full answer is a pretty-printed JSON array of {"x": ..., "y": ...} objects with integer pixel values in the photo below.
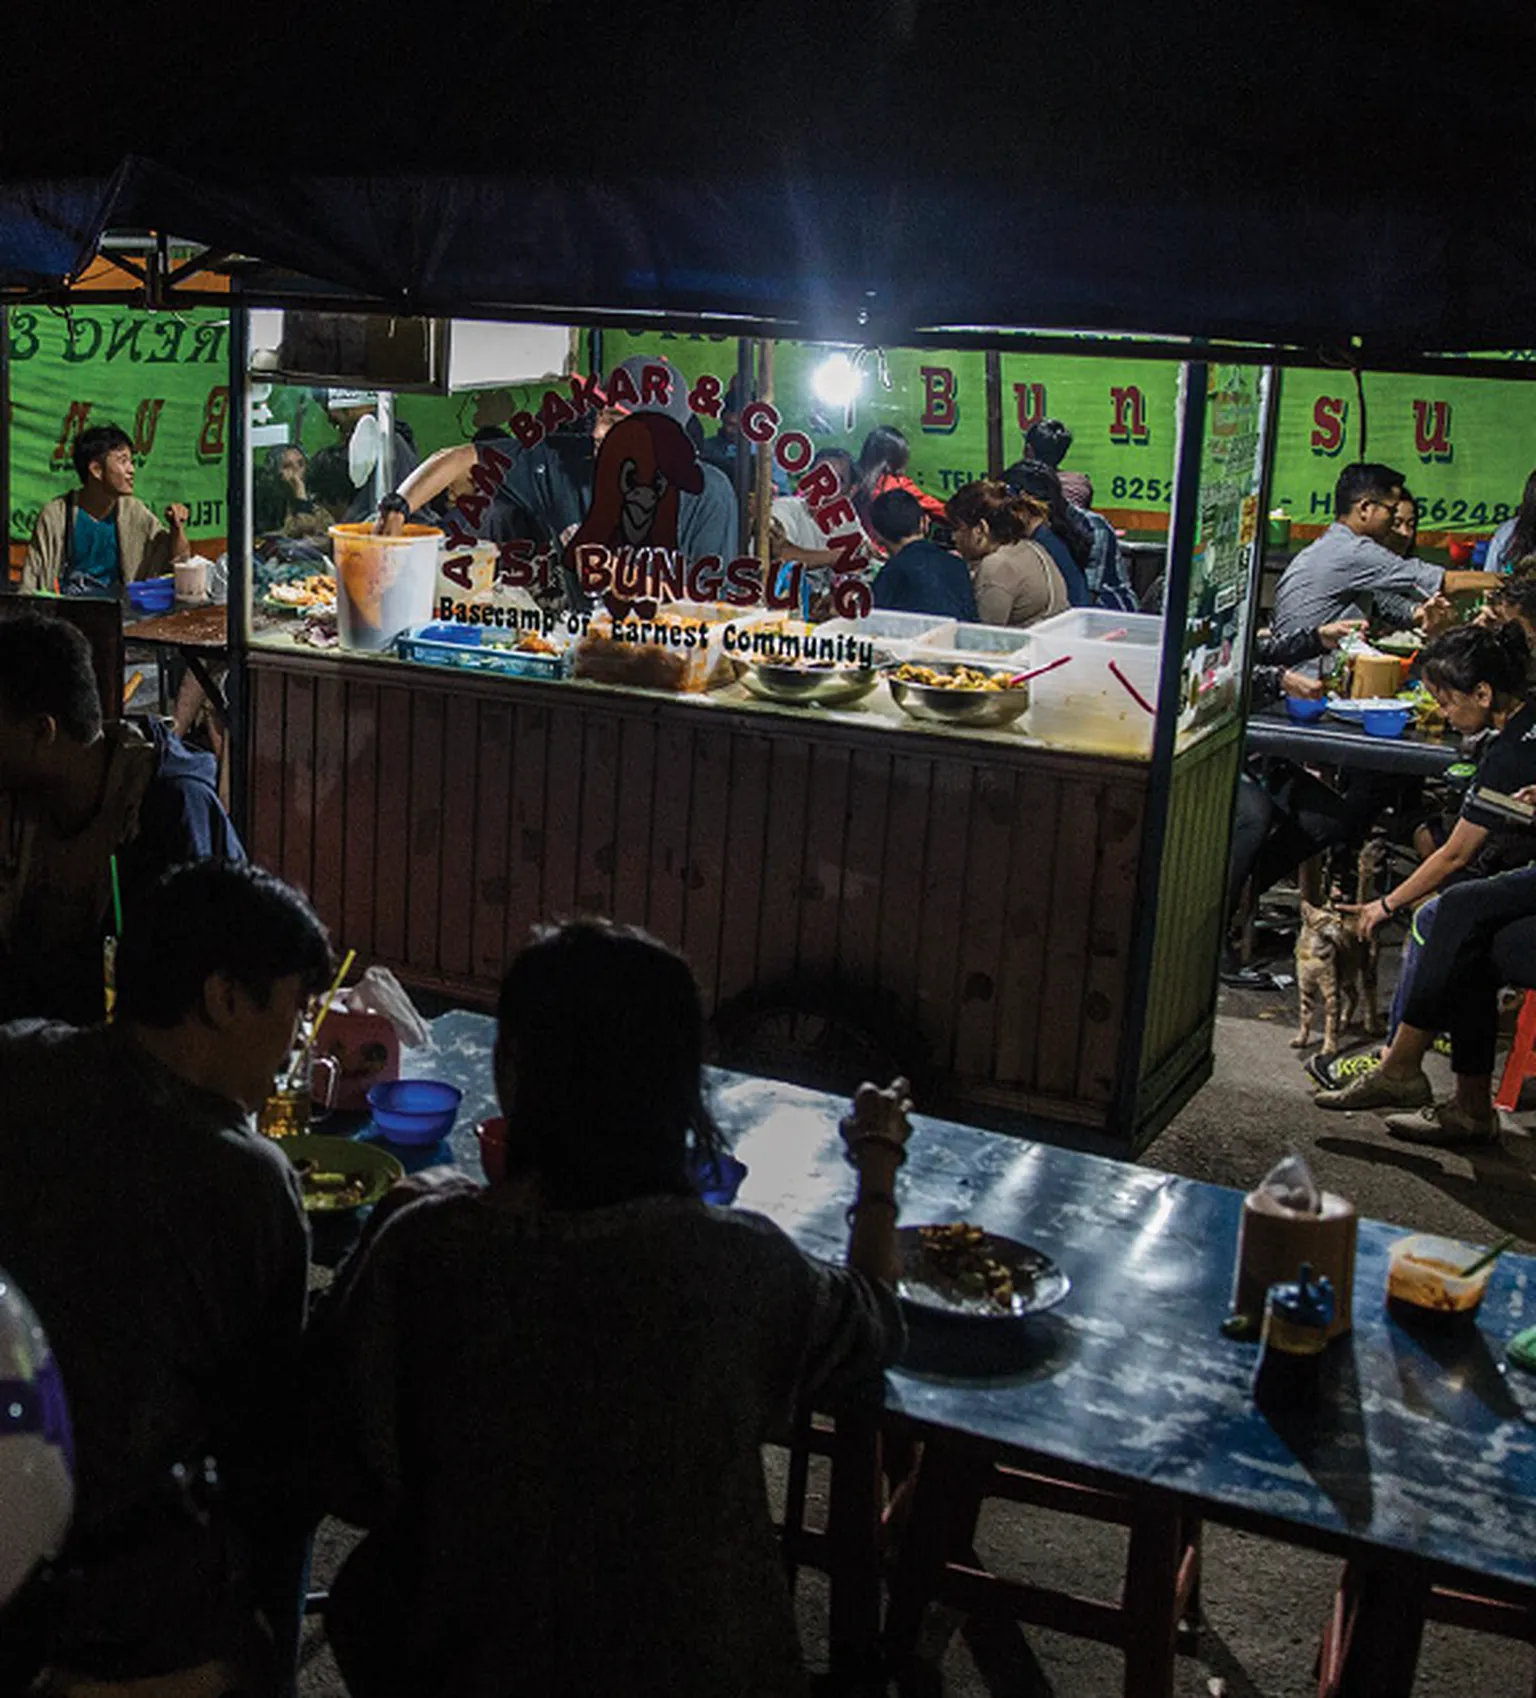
[
  {"x": 1290, "y": 1184},
  {"x": 380, "y": 992}
]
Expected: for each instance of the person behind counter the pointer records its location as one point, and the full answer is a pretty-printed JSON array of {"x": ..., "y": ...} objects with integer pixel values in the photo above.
[
  {"x": 98, "y": 537},
  {"x": 1351, "y": 562},
  {"x": 74, "y": 794},
  {"x": 1016, "y": 580},
  {"x": 600, "y": 1524},
  {"x": 882, "y": 465},
  {"x": 1065, "y": 535},
  {"x": 546, "y": 491},
  {"x": 919, "y": 576}
]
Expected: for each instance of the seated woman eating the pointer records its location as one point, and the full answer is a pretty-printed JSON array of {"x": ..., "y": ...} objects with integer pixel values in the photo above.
[
  {"x": 1016, "y": 580},
  {"x": 1481, "y": 679},
  {"x": 546, "y": 1400}
]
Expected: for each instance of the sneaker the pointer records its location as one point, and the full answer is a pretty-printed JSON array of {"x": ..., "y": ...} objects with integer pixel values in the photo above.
[
  {"x": 1443, "y": 1124},
  {"x": 1332, "y": 1072},
  {"x": 1376, "y": 1090},
  {"x": 1249, "y": 978}
]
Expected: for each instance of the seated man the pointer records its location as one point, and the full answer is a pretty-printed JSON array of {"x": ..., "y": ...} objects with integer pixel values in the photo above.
[
  {"x": 163, "y": 1245},
  {"x": 1050, "y": 441},
  {"x": 1350, "y": 569},
  {"x": 100, "y": 536},
  {"x": 76, "y": 794},
  {"x": 918, "y": 576}
]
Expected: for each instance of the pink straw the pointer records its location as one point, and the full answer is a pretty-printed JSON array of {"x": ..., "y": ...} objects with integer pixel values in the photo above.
[
  {"x": 1131, "y": 688},
  {"x": 1050, "y": 666}
]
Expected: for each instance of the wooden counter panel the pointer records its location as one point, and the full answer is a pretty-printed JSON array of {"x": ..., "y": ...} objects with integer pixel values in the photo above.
[{"x": 984, "y": 904}]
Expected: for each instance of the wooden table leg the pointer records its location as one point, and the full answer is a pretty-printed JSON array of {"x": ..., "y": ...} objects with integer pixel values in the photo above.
[
  {"x": 853, "y": 1529},
  {"x": 1150, "y": 1603},
  {"x": 1371, "y": 1643}
]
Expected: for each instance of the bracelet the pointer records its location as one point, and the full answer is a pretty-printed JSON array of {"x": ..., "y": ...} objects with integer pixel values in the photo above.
[
  {"x": 883, "y": 1198},
  {"x": 880, "y": 1141},
  {"x": 1386, "y": 907}
]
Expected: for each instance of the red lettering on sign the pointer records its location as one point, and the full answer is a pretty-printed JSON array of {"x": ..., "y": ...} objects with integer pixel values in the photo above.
[
  {"x": 514, "y": 563},
  {"x": 527, "y": 429},
  {"x": 74, "y": 423},
  {"x": 586, "y": 393},
  {"x": 1329, "y": 413},
  {"x": 759, "y": 420},
  {"x": 210, "y": 439},
  {"x": 743, "y": 581},
  {"x": 705, "y": 398},
  {"x": 459, "y": 571},
  {"x": 849, "y": 549},
  {"x": 555, "y": 410},
  {"x": 473, "y": 508},
  {"x": 621, "y": 389},
  {"x": 655, "y": 385},
  {"x": 457, "y": 536},
  {"x": 939, "y": 410},
  {"x": 1432, "y": 431},
  {"x": 794, "y": 451},
  {"x": 852, "y": 598},
  {"x": 1029, "y": 399},
  {"x": 818, "y": 484},
  {"x": 146, "y": 421},
  {"x": 593, "y": 570},
  {"x": 834, "y": 513},
  {"x": 1130, "y": 421},
  {"x": 629, "y": 573},
  {"x": 704, "y": 578},
  {"x": 669, "y": 574}
]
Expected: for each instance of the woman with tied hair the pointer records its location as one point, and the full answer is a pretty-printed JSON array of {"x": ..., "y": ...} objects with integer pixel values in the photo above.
[
  {"x": 546, "y": 1399},
  {"x": 1481, "y": 679},
  {"x": 1065, "y": 535},
  {"x": 882, "y": 465},
  {"x": 1017, "y": 582}
]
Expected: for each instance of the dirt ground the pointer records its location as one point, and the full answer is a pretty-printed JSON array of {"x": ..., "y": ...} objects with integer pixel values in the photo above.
[{"x": 1264, "y": 1603}]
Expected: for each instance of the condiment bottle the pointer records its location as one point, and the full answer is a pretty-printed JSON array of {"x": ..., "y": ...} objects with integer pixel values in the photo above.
[{"x": 1296, "y": 1321}]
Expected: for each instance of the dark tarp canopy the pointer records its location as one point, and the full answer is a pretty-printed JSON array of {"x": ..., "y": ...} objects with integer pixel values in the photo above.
[{"x": 1300, "y": 173}]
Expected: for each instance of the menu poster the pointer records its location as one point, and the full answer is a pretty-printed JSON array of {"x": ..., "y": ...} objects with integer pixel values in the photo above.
[{"x": 1228, "y": 548}]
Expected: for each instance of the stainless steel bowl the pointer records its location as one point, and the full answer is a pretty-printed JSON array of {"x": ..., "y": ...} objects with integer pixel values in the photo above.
[
  {"x": 936, "y": 706},
  {"x": 809, "y": 686}
]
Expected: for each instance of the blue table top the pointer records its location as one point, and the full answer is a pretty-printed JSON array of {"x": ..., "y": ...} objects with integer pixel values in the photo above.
[
  {"x": 1344, "y": 743},
  {"x": 1424, "y": 1442}
]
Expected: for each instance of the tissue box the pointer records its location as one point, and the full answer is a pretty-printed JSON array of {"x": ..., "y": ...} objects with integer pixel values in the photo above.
[
  {"x": 367, "y": 1052},
  {"x": 1273, "y": 1241}
]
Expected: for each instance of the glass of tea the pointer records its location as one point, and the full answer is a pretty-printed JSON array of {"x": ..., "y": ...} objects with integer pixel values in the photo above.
[{"x": 290, "y": 1105}]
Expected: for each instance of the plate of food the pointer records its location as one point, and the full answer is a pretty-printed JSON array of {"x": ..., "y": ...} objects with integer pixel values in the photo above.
[
  {"x": 338, "y": 1174},
  {"x": 302, "y": 595},
  {"x": 955, "y": 693},
  {"x": 962, "y": 1270}
]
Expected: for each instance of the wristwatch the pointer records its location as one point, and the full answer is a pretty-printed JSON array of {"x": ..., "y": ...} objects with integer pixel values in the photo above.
[{"x": 394, "y": 502}]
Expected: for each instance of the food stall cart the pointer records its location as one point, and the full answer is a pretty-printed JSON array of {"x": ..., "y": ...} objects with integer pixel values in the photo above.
[{"x": 1026, "y": 914}]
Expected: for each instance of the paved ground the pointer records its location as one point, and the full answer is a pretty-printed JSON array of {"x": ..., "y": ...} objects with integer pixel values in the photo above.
[{"x": 1264, "y": 1603}]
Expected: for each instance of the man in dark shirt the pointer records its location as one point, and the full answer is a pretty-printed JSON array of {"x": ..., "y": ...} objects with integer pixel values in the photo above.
[
  {"x": 918, "y": 576},
  {"x": 162, "y": 1242},
  {"x": 76, "y": 793}
]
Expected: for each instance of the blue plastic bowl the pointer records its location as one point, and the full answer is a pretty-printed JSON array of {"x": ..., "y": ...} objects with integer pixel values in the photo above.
[
  {"x": 1386, "y": 722},
  {"x": 1480, "y": 553},
  {"x": 152, "y": 595},
  {"x": 415, "y": 1111},
  {"x": 1304, "y": 711}
]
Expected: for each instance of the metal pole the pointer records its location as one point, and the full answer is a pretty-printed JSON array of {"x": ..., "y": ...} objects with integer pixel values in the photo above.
[
  {"x": 995, "y": 460},
  {"x": 742, "y": 465},
  {"x": 764, "y": 457},
  {"x": 238, "y": 510},
  {"x": 5, "y": 437}
]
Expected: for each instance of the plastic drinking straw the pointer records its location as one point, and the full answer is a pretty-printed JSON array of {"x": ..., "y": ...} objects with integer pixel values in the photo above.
[
  {"x": 1135, "y": 693},
  {"x": 117, "y": 898},
  {"x": 1050, "y": 666},
  {"x": 325, "y": 1007},
  {"x": 1491, "y": 1254}
]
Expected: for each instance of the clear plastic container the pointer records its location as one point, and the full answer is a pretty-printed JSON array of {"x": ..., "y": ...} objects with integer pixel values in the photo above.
[
  {"x": 384, "y": 585},
  {"x": 977, "y": 645},
  {"x": 1102, "y": 699},
  {"x": 1421, "y": 1271},
  {"x": 897, "y": 633}
]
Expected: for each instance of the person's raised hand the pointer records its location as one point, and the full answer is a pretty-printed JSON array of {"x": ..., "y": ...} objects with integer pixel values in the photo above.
[
  {"x": 1300, "y": 685},
  {"x": 1436, "y": 615},
  {"x": 1334, "y": 633},
  {"x": 879, "y": 1121},
  {"x": 177, "y": 514}
]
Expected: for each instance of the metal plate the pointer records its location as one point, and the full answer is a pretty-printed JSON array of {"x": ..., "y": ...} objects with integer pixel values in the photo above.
[
  {"x": 375, "y": 1169},
  {"x": 924, "y": 1284}
]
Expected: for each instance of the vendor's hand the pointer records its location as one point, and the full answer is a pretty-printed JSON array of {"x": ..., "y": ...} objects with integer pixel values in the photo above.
[
  {"x": 1331, "y": 635},
  {"x": 177, "y": 514},
  {"x": 1366, "y": 915},
  {"x": 1300, "y": 685},
  {"x": 390, "y": 524},
  {"x": 880, "y": 1116},
  {"x": 1436, "y": 615},
  {"x": 1527, "y": 794}
]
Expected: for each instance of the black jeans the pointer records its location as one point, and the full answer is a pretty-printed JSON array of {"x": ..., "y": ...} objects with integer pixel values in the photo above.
[
  {"x": 1484, "y": 937},
  {"x": 1288, "y": 817}
]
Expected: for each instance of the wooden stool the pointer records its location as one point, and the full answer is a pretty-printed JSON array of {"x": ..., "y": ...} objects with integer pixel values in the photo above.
[
  {"x": 1371, "y": 1640},
  {"x": 1520, "y": 1066},
  {"x": 1151, "y": 1621}
]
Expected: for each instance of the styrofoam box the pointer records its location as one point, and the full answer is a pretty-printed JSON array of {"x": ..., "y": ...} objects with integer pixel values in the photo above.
[
  {"x": 899, "y": 632},
  {"x": 1082, "y": 705}
]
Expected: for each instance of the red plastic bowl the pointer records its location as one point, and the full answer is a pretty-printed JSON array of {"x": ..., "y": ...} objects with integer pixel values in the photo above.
[{"x": 491, "y": 1136}]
